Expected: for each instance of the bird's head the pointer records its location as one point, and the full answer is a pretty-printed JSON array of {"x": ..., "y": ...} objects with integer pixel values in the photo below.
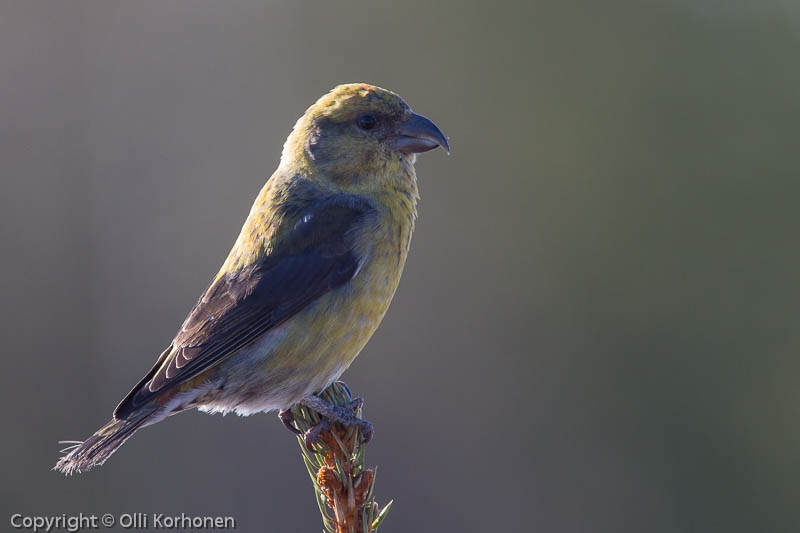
[{"x": 358, "y": 135}]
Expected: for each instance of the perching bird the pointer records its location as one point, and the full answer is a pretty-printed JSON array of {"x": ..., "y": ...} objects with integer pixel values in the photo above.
[{"x": 308, "y": 280}]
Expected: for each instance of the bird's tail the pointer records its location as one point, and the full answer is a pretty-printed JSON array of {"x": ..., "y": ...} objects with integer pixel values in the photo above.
[{"x": 82, "y": 456}]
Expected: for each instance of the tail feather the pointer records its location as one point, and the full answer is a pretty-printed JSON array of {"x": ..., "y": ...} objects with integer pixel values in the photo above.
[{"x": 94, "y": 451}]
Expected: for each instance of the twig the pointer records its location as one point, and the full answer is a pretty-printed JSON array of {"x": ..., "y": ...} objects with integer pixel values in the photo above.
[{"x": 342, "y": 485}]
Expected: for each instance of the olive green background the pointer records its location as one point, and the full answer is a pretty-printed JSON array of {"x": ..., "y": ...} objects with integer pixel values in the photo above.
[{"x": 597, "y": 329}]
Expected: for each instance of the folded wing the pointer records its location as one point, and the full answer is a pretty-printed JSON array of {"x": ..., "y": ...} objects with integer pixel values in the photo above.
[{"x": 317, "y": 255}]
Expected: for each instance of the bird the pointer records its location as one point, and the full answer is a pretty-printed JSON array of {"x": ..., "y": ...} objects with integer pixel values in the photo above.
[{"x": 307, "y": 282}]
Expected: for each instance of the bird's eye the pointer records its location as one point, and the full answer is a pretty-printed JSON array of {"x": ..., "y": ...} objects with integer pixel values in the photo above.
[{"x": 366, "y": 122}]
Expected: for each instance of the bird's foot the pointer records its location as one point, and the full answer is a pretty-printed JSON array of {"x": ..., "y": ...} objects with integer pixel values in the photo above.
[{"x": 341, "y": 414}]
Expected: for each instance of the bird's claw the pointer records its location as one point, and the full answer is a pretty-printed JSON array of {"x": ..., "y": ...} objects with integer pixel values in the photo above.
[
  {"x": 354, "y": 405},
  {"x": 287, "y": 418},
  {"x": 312, "y": 436},
  {"x": 367, "y": 430}
]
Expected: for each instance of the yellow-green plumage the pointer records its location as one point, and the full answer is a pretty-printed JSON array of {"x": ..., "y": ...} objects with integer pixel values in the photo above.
[
  {"x": 320, "y": 342},
  {"x": 309, "y": 278}
]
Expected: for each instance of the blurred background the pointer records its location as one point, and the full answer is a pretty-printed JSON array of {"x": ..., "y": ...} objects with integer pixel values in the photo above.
[{"x": 597, "y": 327}]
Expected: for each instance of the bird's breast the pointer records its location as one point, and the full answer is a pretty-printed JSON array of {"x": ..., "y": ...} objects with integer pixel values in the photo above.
[
  {"x": 314, "y": 347},
  {"x": 330, "y": 333}
]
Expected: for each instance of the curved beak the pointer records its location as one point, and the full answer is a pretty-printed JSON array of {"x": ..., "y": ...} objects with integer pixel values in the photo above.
[{"x": 418, "y": 134}]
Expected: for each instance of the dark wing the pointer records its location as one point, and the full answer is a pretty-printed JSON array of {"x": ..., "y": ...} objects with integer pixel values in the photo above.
[{"x": 315, "y": 257}]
